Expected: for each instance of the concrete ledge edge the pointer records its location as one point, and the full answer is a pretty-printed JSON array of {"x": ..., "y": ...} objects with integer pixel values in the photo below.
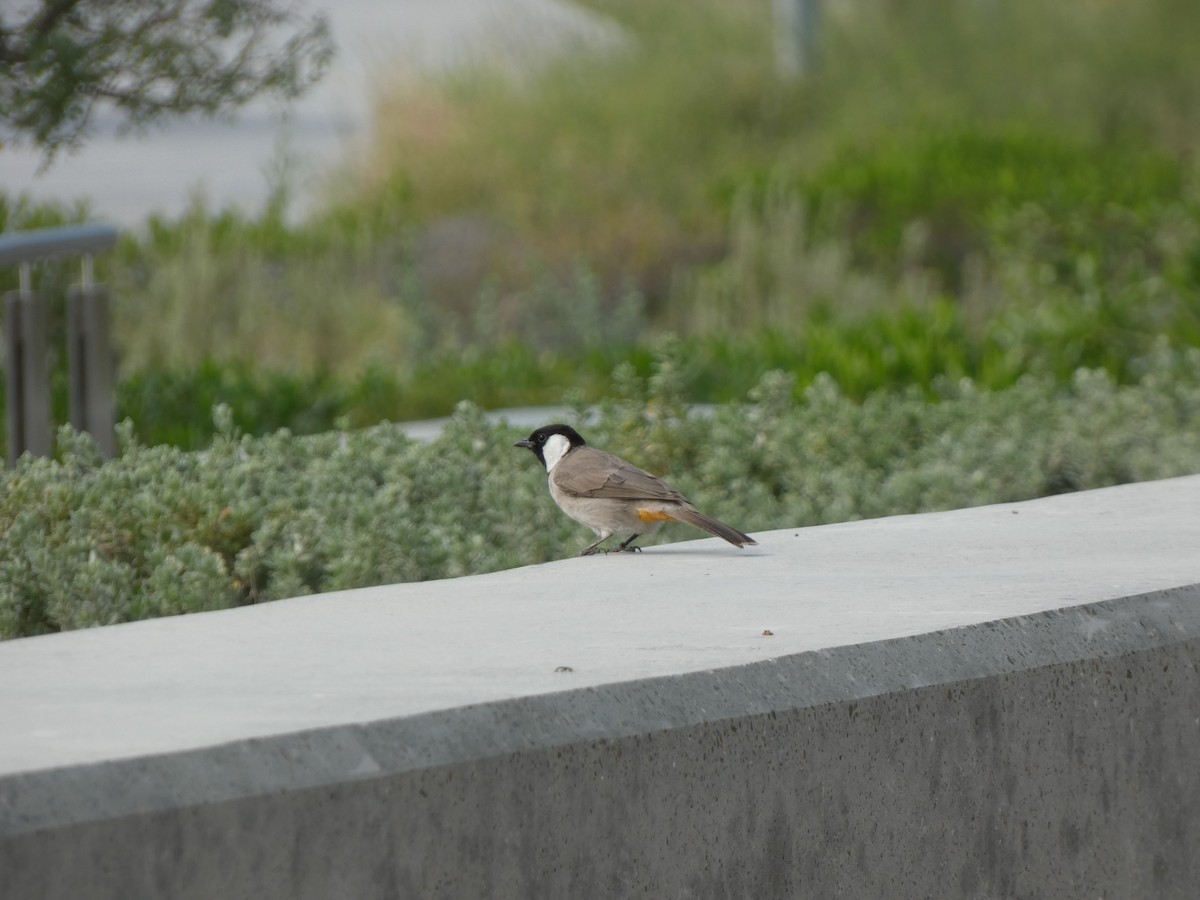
[{"x": 55, "y": 798}]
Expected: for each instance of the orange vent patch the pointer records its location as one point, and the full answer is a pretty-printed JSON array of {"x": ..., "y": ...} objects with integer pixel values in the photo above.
[{"x": 653, "y": 515}]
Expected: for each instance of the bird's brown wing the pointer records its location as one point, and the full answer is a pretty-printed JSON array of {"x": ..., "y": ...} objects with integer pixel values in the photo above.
[{"x": 586, "y": 472}]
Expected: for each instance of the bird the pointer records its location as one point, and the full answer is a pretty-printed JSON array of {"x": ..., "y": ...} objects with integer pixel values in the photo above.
[{"x": 612, "y": 496}]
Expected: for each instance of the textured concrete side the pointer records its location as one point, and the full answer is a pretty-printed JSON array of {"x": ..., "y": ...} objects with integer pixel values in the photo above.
[{"x": 1054, "y": 752}]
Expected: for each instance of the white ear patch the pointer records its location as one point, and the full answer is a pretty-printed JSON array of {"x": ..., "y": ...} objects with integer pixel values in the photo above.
[{"x": 554, "y": 449}]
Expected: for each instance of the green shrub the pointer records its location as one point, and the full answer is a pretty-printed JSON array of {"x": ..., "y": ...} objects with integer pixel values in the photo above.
[
  {"x": 162, "y": 531},
  {"x": 949, "y": 181}
]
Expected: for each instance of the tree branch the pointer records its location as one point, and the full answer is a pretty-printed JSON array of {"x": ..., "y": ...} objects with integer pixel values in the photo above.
[
  {"x": 149, "y": 58},
  {"x": 52, "y": 13}
]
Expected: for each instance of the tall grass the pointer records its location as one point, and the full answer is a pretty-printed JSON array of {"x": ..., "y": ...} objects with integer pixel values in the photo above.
[
  {"x": 636, "y": 163},
  {"x": 604, "y": 197},
  {"x": 227, "y": 289}
]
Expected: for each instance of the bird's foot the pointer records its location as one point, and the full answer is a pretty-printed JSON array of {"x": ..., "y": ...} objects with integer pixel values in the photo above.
[
  {"x": 625, "y": 547},
  {"x": 627, "y": 544}
]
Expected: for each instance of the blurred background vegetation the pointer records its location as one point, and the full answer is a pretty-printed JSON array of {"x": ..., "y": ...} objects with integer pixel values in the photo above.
[{"x": 959, "y": 189}]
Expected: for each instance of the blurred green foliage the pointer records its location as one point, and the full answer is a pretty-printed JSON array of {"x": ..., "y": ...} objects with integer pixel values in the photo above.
[
  {"x": 951, "y": 182},
  {"x": 948, "y": 194},
  {"x": 1039, "y": 290}
]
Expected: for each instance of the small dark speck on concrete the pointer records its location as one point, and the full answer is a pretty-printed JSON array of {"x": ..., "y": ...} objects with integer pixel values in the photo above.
[{"x": 564, "y": 669}]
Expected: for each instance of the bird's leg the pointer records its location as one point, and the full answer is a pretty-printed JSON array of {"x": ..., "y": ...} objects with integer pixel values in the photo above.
[
  {"x": 629, "y": 540},
  {"x": 594, "y": 547}
]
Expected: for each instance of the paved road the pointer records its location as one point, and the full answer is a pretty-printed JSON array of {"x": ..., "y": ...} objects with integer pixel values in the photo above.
[{"x": 129, "y": 178}]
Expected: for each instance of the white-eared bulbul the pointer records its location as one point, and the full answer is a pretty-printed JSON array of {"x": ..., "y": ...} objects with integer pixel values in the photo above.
[{"x": 611, "y": 496}]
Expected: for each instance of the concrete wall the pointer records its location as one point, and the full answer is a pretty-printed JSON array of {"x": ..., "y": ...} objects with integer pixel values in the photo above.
[
  {"x": 1054, "y": 753},
  {"x": 1034, "y": 757}
]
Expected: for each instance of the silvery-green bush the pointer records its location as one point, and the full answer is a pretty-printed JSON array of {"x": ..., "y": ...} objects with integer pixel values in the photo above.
[{"x": 158, "y": 531}]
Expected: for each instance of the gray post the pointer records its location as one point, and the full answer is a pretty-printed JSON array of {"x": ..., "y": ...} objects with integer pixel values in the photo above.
[
  {"x": 90, "y": 365},
  {"x": 26, "y": 326},
  {"x": 797, "y": 36},
  {"x": 26, "y": 329}
]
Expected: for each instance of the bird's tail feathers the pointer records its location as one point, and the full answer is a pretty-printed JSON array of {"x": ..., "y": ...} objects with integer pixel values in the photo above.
[{"x": 712, "y": 526}]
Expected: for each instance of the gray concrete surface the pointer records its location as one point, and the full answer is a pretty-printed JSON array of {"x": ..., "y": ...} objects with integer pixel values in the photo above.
[
  {"x": 523, "y": 417},
  {"x": 519, "y": 416},
  {"x": 996, "y": 702}
]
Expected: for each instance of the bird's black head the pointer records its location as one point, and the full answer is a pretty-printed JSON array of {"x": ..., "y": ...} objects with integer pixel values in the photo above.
[{"x": 537, "y": 441}]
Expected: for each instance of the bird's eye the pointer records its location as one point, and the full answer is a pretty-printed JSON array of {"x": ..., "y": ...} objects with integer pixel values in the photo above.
[{"x": 541, "y": 439}]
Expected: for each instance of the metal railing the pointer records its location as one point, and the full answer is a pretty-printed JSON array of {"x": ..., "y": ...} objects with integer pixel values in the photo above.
[{"x": 89, "y": 354}]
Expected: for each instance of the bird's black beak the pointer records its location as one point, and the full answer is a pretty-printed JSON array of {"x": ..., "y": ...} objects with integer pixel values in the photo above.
[{"x": 526, "y": 443}]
